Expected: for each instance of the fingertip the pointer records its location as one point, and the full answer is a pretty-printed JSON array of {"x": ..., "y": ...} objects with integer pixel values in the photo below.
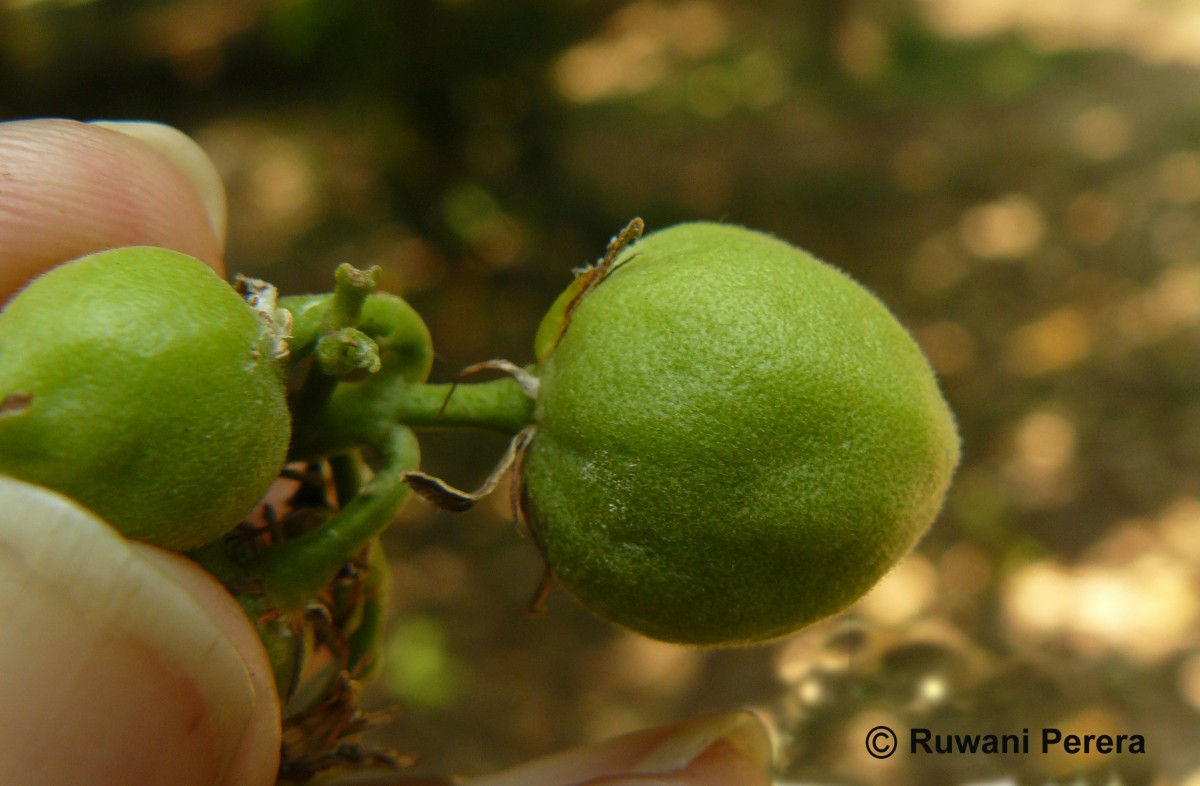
[
  {"x": 111, "y": 671},
  {"x": 188, "y": 157},
  {"x": 733, "y": 747},
  {"x": 68, "y": 189},
  {"x": 256, "y": 758}
]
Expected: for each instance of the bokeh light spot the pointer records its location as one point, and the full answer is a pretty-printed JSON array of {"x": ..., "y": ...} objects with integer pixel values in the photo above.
[
  {"x": 1054, "y": 342},
  {"x": 1009, "y": 228},
  {"x": 1039, "y": 471},
  {"x": 638, "y": 47},
  {"x": 904, "y": 593}
]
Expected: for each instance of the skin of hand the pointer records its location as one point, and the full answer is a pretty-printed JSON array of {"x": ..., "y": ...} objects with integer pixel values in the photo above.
[
  {"x": 68, "y": 189},
  {"x": 130, "y": 708}
]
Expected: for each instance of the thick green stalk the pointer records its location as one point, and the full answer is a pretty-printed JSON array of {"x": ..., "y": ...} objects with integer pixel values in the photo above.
[
  {"x": 348, "y": 474},
  {"x": 294, "y": 572},
  {"x": 357, "y": 412},
  {"x": 499, "y": 405}
]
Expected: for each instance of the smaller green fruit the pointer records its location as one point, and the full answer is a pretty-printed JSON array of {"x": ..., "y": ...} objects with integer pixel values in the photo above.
[
  {"x": 733, "y": 439},
  {"x": 141, "y": 384}
]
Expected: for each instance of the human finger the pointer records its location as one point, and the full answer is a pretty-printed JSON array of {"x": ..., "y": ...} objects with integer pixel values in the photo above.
[
  {"x": 114, "y": 669},
  {"x": 713, "y": 751},
  {"x": 69, "y": 188},
  {"x": 256, "y": 757}
]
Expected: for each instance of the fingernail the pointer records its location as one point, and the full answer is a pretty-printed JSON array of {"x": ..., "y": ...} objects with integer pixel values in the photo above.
[
  {"x": 188, "y": 157},
  {"x": 741, "y": 735},
  {"x": 722, "y": 749}
]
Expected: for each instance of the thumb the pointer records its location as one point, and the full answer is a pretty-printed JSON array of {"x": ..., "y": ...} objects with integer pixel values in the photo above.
[{"x": 118, "y": 664}]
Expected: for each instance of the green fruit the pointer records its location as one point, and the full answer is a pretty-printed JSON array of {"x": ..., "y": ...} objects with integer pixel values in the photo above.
[
  {"x": 733, "y": 440},
  {"x": 142, "y": 385}
]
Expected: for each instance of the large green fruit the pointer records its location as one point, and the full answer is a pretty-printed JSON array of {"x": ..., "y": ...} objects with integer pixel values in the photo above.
[
  {"x": 733, "y": 440},
  {"x": 142, "y": 385}
]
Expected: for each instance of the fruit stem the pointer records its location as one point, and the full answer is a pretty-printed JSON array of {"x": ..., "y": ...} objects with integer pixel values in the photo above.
[
  {"x": 351, "y": 289},
  {"x": 499, "y": 405},
  {"x": 295, "y": 571},
  {"x": 347, "y": 471},
  {"x": 356, "y": 413}
]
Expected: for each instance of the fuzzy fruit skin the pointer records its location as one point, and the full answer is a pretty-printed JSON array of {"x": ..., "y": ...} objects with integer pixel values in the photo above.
[
  {"x": 734, "y": 440},
  {"x": 155, "y": 398}
]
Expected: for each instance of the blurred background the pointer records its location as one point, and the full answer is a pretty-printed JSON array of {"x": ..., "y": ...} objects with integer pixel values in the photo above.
[{"x": 1018, "y": 179}]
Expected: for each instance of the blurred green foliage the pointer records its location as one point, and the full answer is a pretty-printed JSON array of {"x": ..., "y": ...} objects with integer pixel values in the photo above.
[
  {"x": 1019, "y": 180},
  {"x": 419, "y": 670}
]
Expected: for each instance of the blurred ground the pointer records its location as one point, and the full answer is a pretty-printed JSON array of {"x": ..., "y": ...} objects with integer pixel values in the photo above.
[{"x": 1018, "y": 179}]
